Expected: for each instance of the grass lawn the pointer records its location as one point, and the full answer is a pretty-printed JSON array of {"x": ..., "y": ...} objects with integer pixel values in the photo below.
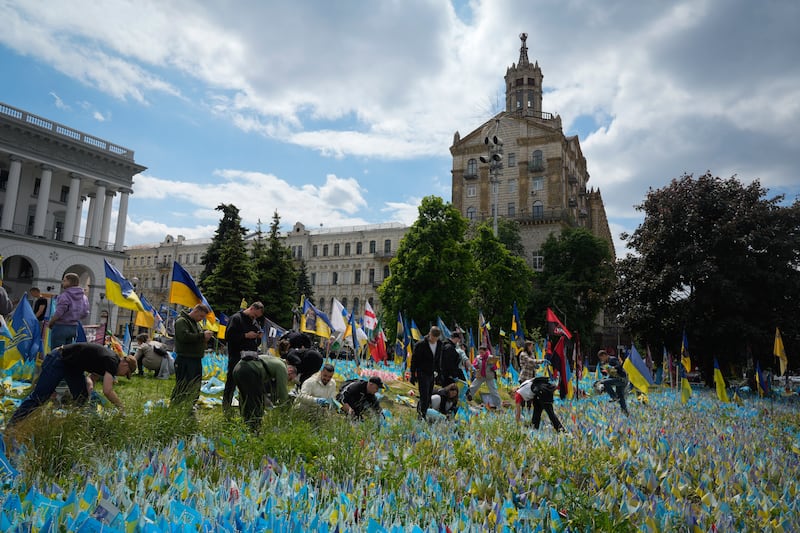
[{"x": 667, "y": 466}]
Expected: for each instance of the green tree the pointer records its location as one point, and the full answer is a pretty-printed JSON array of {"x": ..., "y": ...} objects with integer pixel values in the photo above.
[
  {"x": 719, "y": 259},
  {"x": 501, "y": 277},
  {"x": 304, "y": 286},
  {"x": 230, "y": 223},
  {"x": 433, "y": 271},
  {"x": 276, "y": 279},
  {"x": 231, "y": 277},
  {"x": 578, "y": 277}
]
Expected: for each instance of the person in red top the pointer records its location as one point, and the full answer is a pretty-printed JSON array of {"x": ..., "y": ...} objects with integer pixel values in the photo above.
[{"x": 485, "y": 372}]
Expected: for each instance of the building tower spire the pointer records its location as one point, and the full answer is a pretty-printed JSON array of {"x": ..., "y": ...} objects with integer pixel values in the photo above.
[{"x": 524, "y": 85}]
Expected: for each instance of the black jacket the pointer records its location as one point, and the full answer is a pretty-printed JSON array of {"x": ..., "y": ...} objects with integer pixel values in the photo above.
[
  {"x": 355, "y": 395},
  {"x": 423, "y": 361},
  {"x": 449, "y": 371}
]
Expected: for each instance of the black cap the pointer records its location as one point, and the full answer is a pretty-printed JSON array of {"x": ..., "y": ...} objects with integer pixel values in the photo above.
[{"x": 377, "y": 381}]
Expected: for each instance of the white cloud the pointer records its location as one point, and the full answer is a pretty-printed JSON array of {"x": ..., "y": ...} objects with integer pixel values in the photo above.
[{"x": 59, "y": 102}]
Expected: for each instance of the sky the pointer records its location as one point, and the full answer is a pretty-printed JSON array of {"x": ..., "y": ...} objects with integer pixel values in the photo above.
[{"x": 342, "y": 113}]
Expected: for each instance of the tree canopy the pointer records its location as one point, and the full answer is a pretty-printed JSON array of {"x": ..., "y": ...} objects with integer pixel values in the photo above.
[
  {"x": 718, "y": 259},
  {"x": 276, "y": 278},
  {"x": 432, "y": 273}
]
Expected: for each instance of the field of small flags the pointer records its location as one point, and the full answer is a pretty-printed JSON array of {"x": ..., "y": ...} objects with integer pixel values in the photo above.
[{"x": 702, "y": 465}]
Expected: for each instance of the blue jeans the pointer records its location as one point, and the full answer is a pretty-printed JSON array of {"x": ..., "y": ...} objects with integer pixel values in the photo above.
[
  {"x": 53, "y": 371},
  {"x": 61, "y": 334}
]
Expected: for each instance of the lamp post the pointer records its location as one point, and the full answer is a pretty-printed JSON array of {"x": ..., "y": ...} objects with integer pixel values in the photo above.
[
  {"x": 134, "y": 282},
  {"x": 494, "y": 159}
]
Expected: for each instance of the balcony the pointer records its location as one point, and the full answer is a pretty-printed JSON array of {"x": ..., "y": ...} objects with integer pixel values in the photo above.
[
  {"x": 536, "y": 166},
  {"x": 470, "y": 175},
  {"x": 572, "y": 179}
]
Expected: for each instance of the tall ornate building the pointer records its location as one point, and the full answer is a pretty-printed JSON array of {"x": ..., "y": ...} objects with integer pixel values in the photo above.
[
  {"x": 519, "y": 165},
  {"x": 48, "y": 171}
]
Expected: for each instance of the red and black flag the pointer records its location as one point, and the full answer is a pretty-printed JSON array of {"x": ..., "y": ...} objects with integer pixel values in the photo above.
[{"x": 554, "y": 325}]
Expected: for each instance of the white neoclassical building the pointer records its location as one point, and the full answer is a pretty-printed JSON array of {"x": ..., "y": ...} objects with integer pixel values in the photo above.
[{"x": 58, "y": 190}]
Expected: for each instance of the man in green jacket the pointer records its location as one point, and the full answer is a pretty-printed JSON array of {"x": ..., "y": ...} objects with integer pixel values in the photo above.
[
  {"x": 190, "y": 347},
  {"x": 252, "y": 374}
]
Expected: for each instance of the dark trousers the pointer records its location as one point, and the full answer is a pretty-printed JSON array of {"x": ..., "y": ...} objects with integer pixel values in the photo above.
[
  {"x": 53, "y": 371},
  {"x": 547, "y": 407},
  {"x": 188, "y": 379},
  {"x": 617, "y": 387},
  {"x": 250, "y": 378},
  {"x": 425, "y": 383},
  {"x": 230, "y": 382}
]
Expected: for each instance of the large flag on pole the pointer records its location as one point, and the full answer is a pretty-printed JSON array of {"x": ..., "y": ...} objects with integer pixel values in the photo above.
[
  {"x": 312, "y": 320},
  {"x": 338, "y": 317},
  {"x": 686, "y": 359},
  {"x": 779, "y": 352},
  {"x": 686, "y": 389},
  {"x": 554, "y": 325},
  {"x": 184, "y": 291},
  {"x": 517, "y": 335},
  {"x": 719, "y": 382},
  {"x": 370, "y": 320},
  {"x": 400, "y": 340},
  {"x": 146, "y": 318},
  {"x": 638, "y": 373},
  {"x": 119, "y": 290}
]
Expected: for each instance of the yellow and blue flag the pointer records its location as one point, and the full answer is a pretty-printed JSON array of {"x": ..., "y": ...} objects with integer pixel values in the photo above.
[
  {"x": 638, "y": 373},
  {"x": 415, "y": 333},
  {"x": 779, "y": 352},
  {"x": 146, "y": 318},
  {"x": 119, "y": 290},
  {"x": 719, "y": 381},
  {"x": 686, "y": 389},
  {"x": 442, "y": 326},
  {"x": 184, "y": 291},
  {"x": 399, "y": 343},
  {"x": 312, "y": 320},
  {"x": 25, "y": 340},
  {"x": 223, "y": 325},
  {"x": 686, "y": 359},
  {"x": 517, "y": 334}
]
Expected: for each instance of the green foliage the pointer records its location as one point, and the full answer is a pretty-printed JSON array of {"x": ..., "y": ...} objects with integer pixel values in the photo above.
[
  {"x": 304, "y": 286},
  {"x": 432, "y": 274},
  {"x": 501, "y": 277},
  {"x": 276, "y": 278},
  {"x": 230, "y": 278},
  {"x": 718, "y": 258},
  {"x": 578, "y": 276}
]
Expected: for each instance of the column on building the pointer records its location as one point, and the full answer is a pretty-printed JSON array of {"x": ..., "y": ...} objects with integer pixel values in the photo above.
[
  {"x": 106, "y": 227},
  {"x": 76, "y": 232},
  {"x": 12, "y": 191},
  {"x": 72, "y": 206},
  {"x": 42, "y": 201},
  {"x": 90, "y": 218},
  {"x": 97, "y": 220},
  {"x": 122, "y": 218}
]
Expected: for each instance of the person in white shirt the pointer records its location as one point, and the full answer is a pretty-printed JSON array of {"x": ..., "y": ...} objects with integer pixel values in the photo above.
[{"x": 319, "y": 389}]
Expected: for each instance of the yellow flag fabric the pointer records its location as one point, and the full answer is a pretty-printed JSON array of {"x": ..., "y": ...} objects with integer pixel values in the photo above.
[
  {"x": 635, "y": 376},
  {"x": 719, "y": 382},
  {"x": 779, "y": 352},
  {"x": 686, "y": 390}
]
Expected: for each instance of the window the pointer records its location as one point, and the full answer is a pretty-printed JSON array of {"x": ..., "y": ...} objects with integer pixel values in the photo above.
[
  {"x": 472, "y": 168},
  {"x": 344, "y": 302},
  {"x": 335, "y": 278},
  {"x": 372, "y": 247},
  {"x": 512, "y": 160},
  {"x": 385, "y": 271},
  {"x": 472, "y": 191},
  {"x": 36, "y": 185},
  {"x": 387, "y": 246},
  {"x": 59, "y": 230},
  {"x": 336, "y": 250},
  {"x": 149, "y": 258},
  {"x": 64, "y": 194},
  {"x": 314, "y": 250},
  {"x": 195, "y": 259},
  {"x": 371, "y": 302},
  {"x": 532, "y": 81},
  {"x": 538, "y": 210},
  {"x": 357, "y": 277},
  {"x": 537, "y": 161},
  {"x": 537, "y": 184},
  {"x": 359, "y": 248},
  {"x": 519, "y": 81},
  {"x": 470, "y": 213},
  {"x": 538, "y": 260},
  {"x": 355, "y": 305},
  {"x": 530, "y": 99},
  {"x": 324, "y": 250},
  {"x": 322, "y": 302},
  {"x": 519, "y": 99},
  {"x": 300, "y": 252},
  {"x": 294, "y": 251},
  {"x": 512, "y": 209},
  {"x": 512, "y": 185},
  {"x": 347, "y": 248},
  {"x": 372, "y": 275},
  {"x": 313, "y": 278},
  {"x": 3, "y": 179},
  {"x": 180, "y": 258}
]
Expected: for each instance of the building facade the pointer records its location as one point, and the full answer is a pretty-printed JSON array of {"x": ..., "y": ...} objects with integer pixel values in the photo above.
[
  {"x": 346, "y": 263},
  {"x": 519, "y": 165},
  {"x": 48, "y": 171}
]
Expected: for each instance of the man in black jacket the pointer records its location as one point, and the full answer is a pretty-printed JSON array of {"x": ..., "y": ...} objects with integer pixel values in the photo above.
[
  {"x": 449, "y": 365},
  {"x": 616, "y": 380},
  {"x": 425, "y": 359},
  {"x": 243, "y": 334},
  {"x": 357, "y": 396}
]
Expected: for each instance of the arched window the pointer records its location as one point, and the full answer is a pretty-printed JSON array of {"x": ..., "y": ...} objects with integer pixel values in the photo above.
[
  {"x": 387, "y": 246},
  {"x": 472, "y": 168},
  {"x": 336, "y": 250},
  {"x": 538, "y": 210},
  {"x": 355, "y": 305},
  {"x": 347, "y": 248},
  {"x": 324, "y": 250},
  {"x": 372, "y": 247},
  {"x": 344, "y": 303},
  {"x": 335, "y": 278},
  {"x": 470, "y": 213},
  {"x": 359, "y": 248}
]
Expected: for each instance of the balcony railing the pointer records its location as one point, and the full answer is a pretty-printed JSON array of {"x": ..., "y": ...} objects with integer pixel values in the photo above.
[
  {"x": 470, "y": 175},
  {"x": 18, "y": 115},
  {"x": 536, "y": 166}
]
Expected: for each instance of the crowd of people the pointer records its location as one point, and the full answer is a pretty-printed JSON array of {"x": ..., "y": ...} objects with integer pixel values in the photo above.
[{"x": 440, "y": 368}]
